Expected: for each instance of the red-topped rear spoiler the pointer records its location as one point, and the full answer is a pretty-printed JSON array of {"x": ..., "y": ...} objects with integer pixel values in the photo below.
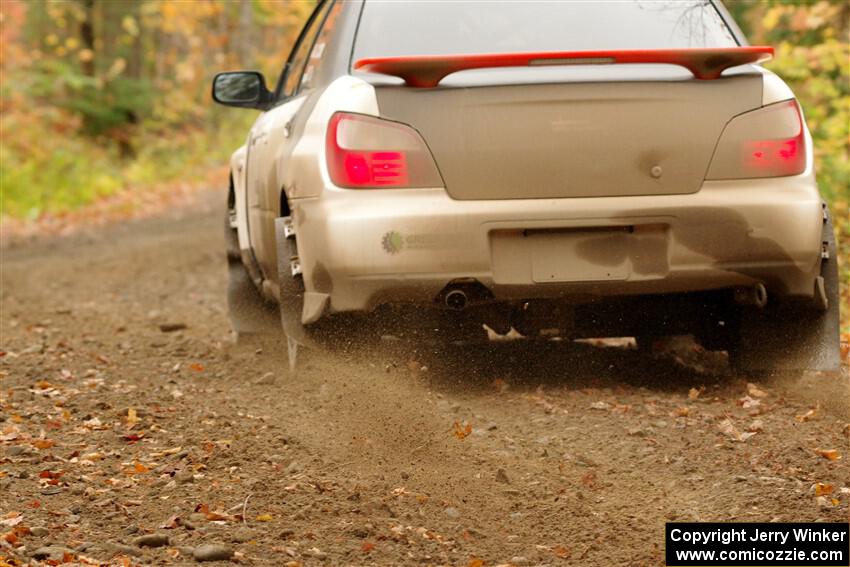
[{"x": 425, "y": 71}]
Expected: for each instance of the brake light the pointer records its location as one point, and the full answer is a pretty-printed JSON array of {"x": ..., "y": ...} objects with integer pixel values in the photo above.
[
  {"x": 768, "y": 142},
  {"x": 364, "y": 152}
]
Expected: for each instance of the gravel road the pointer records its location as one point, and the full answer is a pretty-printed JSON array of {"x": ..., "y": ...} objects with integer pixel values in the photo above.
[{"x": 123, "y": 443}]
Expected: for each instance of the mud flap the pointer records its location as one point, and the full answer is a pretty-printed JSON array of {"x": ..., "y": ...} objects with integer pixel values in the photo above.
[
  {"x": 291, "y": 291},
  {"x": 795, "y": 337}
]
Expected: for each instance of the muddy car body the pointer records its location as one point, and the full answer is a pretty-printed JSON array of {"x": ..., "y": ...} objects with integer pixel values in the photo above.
[{"x": 575, "y": 169}]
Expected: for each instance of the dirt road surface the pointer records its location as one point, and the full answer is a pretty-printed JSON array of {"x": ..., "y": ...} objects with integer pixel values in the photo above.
[{"x": 122, "y": 443}]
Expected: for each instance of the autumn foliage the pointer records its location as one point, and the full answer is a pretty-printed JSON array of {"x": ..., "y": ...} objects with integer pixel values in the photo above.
[{"x": 101, "y": 97}]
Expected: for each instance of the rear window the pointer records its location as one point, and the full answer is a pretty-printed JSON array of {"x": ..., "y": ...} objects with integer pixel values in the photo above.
[{"x": 393, "y": 28}]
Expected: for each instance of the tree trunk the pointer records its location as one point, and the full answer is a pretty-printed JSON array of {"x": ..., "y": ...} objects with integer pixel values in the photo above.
[{"x": 87, "y": 36}]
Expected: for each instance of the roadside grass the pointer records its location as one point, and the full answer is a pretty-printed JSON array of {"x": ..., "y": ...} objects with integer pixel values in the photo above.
[{"x": 45, "y": 169}]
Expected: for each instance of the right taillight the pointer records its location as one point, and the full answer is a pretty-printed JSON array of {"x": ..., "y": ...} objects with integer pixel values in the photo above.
[
  {"x": 767, "y": 142},
  {"x": 364, "y": 152}
]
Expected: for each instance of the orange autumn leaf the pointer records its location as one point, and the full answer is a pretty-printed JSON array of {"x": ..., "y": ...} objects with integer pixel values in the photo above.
[
  {"x": 561, "y": 551},
  {"x": 822, "y": 489},
  {"x": 475, "y": 562},
  {"x": 219, "y": 517},
  {"x": 43, "y": 443},
  {"x": 462, "y": 432},
  {"x": 367, "y": 547},
  {"x": 264, "y": 518},
  {"x": 830, "y": 454},
  {"x": 51, "y": 475},
  {"x": 197, "y": 367}
]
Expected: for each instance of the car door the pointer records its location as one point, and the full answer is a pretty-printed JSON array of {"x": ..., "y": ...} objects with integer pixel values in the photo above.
[{"x": 269, "y": 144}]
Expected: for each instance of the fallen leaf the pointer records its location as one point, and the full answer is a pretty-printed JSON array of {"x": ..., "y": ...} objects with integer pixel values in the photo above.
[
  {"x": 589, "y": 479},
  {"x": 682, "y": 411},
  {"x": 133, "y": 437},
  {"x": 694, "y": 393},
  {"x": 830, "y": 454},
  {"x": 51, "y": 474},
  {"x": 197, "y": 367},
  {"x": 600, "y": 406},
  {"x": 755, "y": 391},
  {"x": 132, "y": 417},
  {"x": 13, "y": 520},
  {"x": 462, "y": 432},
  {"x": 264, "y": 518},
  {"x": 806, "y": 416},
  {"x": 747, "y": 402},
  {"x": 43, "y": 443},
  {"x": 172, "y": 522},
  {"x": 475, "y": 562},
  {"x": 561, "y": 551},
  {"x": 728, "y": 428},
  {"x": 219, "y": 517},
  {"x": 366, "y": 547},
  {"x": 821, "y": 489}
]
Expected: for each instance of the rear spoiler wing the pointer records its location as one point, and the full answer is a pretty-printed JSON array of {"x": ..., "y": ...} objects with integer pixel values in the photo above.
[{"x": 425, "y": 71}]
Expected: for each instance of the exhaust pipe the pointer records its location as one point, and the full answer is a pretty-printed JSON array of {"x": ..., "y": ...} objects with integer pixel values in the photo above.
[
  {"x": 756, "y": 295},
  {"x": 457, "y": 300}
]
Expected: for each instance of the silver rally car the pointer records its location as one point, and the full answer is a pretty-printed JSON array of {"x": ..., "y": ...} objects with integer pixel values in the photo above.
[{"x": 574, "y": 169}]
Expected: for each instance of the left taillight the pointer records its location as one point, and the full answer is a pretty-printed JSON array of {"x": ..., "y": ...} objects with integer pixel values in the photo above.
[
  {"x": 364, "y": 152},
  {"x": 768, "y": 142}
]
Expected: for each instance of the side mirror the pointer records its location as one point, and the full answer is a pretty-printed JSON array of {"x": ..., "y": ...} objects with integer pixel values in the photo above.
[{"x": 243, "y": 89}]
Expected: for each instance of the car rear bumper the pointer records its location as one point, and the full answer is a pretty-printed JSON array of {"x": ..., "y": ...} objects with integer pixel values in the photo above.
[{"x": 366, "y": 248}]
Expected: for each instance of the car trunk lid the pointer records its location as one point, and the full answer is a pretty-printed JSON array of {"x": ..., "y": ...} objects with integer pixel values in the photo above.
[{"x": 592, "y": 135}]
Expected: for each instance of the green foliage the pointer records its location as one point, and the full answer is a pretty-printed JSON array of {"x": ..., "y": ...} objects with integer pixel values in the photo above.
[
  {"x": 44, "y": 173},
  {"x": 105, "y": 104}
]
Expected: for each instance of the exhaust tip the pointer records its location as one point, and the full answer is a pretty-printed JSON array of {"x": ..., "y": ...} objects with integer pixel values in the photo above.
[
  {"x": 457, "y": 300},
  {"x": 755, "y": 295}
]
